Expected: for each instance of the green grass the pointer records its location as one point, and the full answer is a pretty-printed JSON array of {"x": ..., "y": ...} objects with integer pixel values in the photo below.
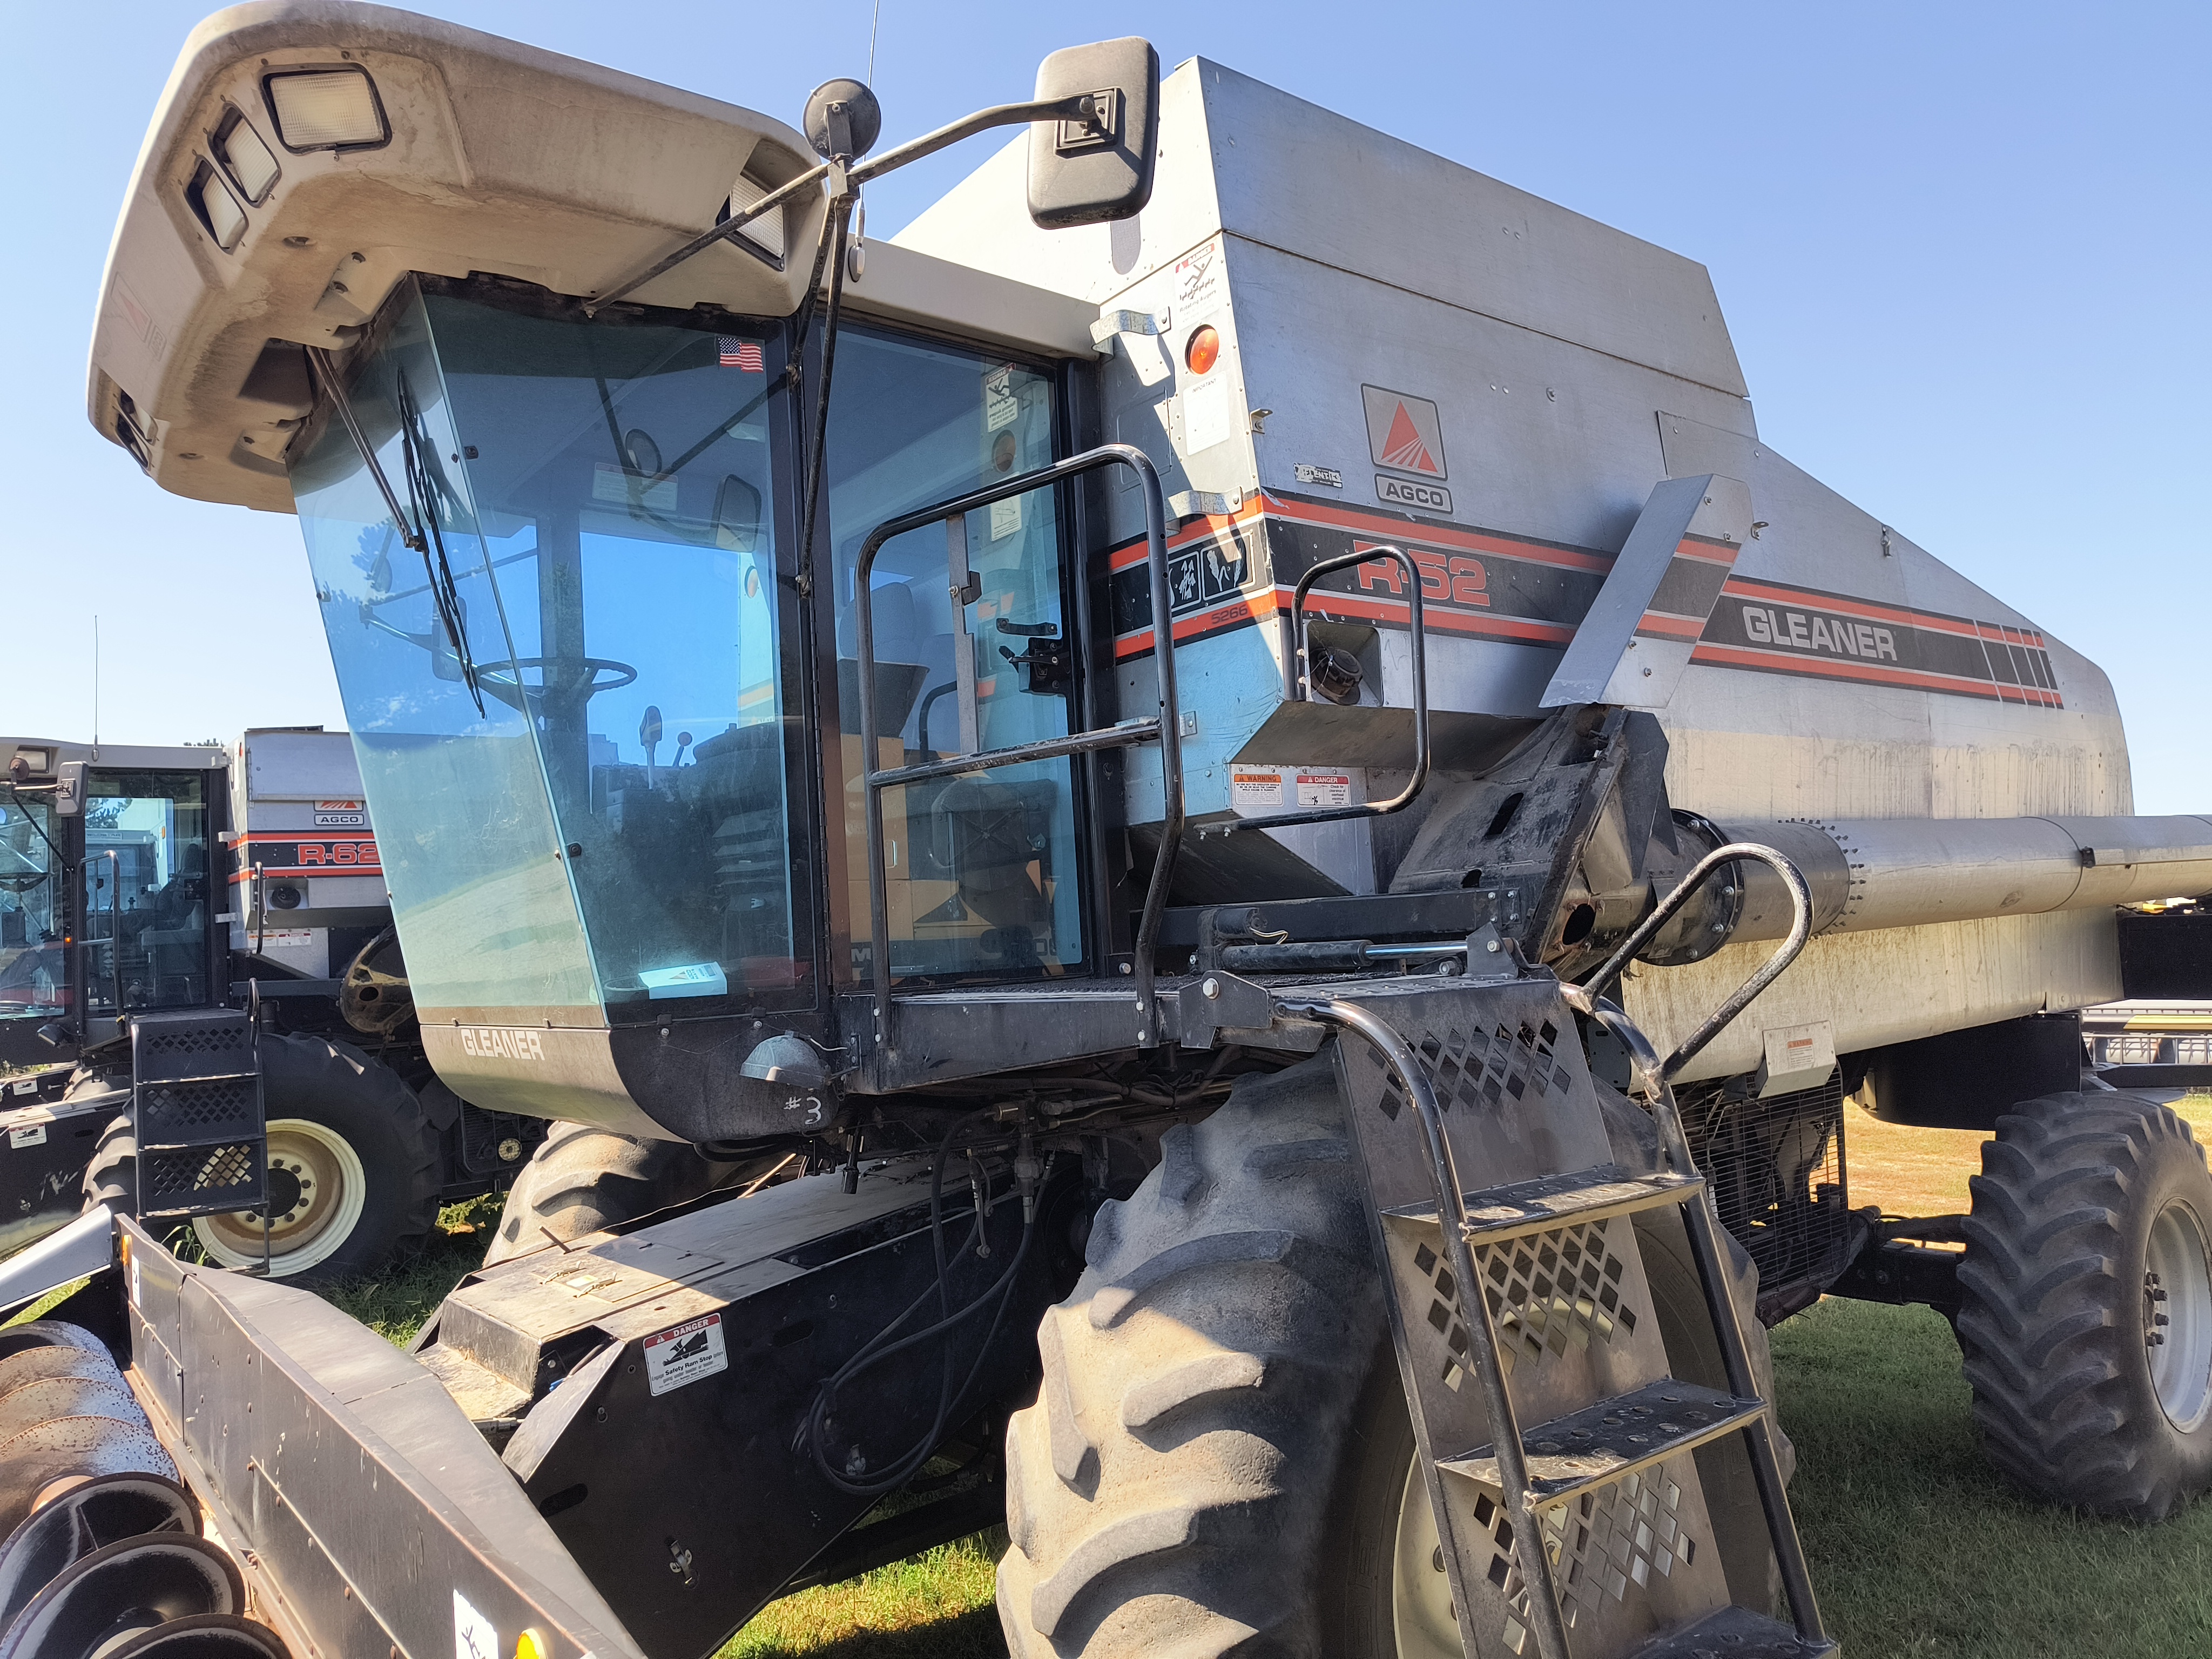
[
  {"x": 1920, "y": 1548},
  {"x": 395, "y": 1303},
  {"x": 934, "y": 1606}
]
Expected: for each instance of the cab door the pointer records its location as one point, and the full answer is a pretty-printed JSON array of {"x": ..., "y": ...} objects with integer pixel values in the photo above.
[{"x": 972, "y": 653}]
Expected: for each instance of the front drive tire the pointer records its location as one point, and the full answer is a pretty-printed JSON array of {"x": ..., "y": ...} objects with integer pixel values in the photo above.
[
  {"x": 352, "y": 1156},
  {"x": 2086, "y": 1316},
  {"x": 583, "y": 1178},
  {"x": 1217, "y": 1461}
]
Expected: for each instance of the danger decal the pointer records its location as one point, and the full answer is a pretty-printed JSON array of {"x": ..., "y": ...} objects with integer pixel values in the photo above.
[{"x": 688, "y": 1353}]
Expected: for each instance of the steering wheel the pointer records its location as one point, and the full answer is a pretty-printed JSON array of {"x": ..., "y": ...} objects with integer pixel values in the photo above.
[{"x": 507, "y": 686}]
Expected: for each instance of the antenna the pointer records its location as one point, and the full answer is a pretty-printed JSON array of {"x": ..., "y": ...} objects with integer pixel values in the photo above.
[
  {"x": 96, "y": 685},
  {"x": 875, "y": 18}
]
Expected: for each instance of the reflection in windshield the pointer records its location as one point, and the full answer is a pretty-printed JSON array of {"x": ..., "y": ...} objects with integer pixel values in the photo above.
[{"x": 603, "y": 576}]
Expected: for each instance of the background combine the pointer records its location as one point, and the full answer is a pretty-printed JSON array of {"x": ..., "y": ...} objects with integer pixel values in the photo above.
[
  {"x": 138, "y": 881},
  {"x": 1300, "y": 823}
]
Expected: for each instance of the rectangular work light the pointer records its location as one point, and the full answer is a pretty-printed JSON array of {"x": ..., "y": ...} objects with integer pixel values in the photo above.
[
  {"x": 217, "y": 208},
  {"x": 239, "y": 149},
  {"x": 326, "y": 109}
]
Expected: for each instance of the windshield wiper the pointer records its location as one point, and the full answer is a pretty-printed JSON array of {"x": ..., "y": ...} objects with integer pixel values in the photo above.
[
  {"x": 416, "y": 522},
  {"x": 421, "y": 495}
]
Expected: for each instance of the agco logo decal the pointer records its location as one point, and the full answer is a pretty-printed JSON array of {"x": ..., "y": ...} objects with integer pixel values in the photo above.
[
  {"x": 499, "y": 1042},
  {"x": 1405, "y": 436}
]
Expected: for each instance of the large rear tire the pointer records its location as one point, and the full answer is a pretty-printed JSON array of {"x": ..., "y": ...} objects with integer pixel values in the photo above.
[
  {"x": 353, "y": 1163},
  {"x": 1219, "y": 1459},
  {"x": 2085, "y": 1316},
  {"x": 583, "y": 1178}
]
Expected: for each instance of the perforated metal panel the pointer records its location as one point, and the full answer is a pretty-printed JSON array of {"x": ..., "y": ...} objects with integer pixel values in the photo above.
[{"x": 197, "y": 1113}]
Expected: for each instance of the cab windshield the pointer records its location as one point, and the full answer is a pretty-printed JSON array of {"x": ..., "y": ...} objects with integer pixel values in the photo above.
[{"x": 575, "y": 707}]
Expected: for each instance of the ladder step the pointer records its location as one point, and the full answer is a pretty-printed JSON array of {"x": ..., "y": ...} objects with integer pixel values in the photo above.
[
  {"x": 1734, "y": 1633},
  {"x": 1602, "y": 1443},
  {"x": 1499, "y": 1214}
]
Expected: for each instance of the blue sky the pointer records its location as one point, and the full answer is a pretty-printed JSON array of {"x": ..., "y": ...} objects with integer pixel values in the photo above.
[{"x": 1962, "y": 250}]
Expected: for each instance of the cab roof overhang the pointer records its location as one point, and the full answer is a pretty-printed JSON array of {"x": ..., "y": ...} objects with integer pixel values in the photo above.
[{"x": 500, "y": 159}]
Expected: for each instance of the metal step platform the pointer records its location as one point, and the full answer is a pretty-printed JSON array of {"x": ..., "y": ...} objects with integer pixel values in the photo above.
[{"x": 1588, "y": 1536}]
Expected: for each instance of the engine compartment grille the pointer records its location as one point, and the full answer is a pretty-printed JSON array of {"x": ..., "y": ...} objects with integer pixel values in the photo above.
[{"x": 1775, "y": 1168}]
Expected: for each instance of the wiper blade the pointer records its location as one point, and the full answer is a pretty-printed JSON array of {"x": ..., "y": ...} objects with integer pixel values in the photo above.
[
  {"x": 320, "y": 360},
  {"x": 418, "y": 521},
  {"x": 423, "y": 497}
]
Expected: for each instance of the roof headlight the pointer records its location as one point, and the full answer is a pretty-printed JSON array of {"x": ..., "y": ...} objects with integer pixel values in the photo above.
[
  {"x": 253, "y": 168},
  {"x": 217, "y": 208},
  {"x": 326, "y": 109}
]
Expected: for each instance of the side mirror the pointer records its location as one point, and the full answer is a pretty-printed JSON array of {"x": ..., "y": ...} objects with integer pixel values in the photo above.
[{"x": 1084, "y": 172}]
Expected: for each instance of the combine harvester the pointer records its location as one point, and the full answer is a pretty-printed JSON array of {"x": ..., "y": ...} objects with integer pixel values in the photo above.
[
  {"x": 1148, "y": 731},
  {"x": 145, "y": 888}
]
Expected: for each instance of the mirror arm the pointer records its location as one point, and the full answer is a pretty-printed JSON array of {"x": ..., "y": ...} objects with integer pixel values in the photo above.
[
  {"x": 1077, "y": 108},
  {"x": 729, "y": 228}
]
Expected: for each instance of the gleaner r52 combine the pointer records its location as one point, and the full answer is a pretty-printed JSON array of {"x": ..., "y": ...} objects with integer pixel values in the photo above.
[{"x": 1141, "y": 728}]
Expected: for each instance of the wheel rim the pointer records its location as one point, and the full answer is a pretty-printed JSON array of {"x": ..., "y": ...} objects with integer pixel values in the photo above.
[
  {"x": 317, "y": 1169},
  {"x": 2177, "y": 1316},
  {"x": 1420, "y": 1590}
]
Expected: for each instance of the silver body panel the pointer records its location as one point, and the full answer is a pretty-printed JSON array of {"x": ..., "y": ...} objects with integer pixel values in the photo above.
[{"x": 1571, "y": 370}]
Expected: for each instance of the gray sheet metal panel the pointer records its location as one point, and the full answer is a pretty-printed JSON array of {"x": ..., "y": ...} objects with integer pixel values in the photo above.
[
  {"x": 1599, "y": 665},
  {"x": 1886, "y": 986},
  {"x": 1305, "y": 180},
  {"x": 1747, "y": 745},
  {"x": 1541, "y": 439}
]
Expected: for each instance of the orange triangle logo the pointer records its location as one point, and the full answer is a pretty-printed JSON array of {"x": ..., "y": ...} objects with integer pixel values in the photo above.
[{"x": 1403, "y": 448}]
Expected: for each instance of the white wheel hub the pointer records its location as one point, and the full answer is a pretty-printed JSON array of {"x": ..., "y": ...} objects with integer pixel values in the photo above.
[
  {"x": 2178, "y": 1315},
  {"x": 316, "y": 1176},
  {"x": 1420, "y": 1590}
]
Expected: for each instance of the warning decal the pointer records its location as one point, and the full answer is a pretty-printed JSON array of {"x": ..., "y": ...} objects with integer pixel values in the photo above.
[
  {"x": 1248, "y": 789},
  {"x": 685, "y": 1354},
  {"x": 1324, "y": 789}
]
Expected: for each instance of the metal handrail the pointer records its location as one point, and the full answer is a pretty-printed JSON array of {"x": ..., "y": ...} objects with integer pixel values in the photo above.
[
  {"x": 1707, "y": 1248},
  {"x": 1161, "y": 728},
  {"x": 1298, "y": 686},
  {"x": 1398, "y": 1055},
  {"x": 1801, "y": 929}
]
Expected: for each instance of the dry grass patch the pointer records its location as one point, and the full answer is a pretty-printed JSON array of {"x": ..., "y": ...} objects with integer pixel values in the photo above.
[{"x": 1910, "y": 1171}]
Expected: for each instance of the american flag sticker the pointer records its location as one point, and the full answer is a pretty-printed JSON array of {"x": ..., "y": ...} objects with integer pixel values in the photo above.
[{"x": 740, "y": 354}]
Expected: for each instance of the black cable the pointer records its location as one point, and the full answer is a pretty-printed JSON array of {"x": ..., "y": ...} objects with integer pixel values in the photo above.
[{"x": 887, "y": 1342}]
